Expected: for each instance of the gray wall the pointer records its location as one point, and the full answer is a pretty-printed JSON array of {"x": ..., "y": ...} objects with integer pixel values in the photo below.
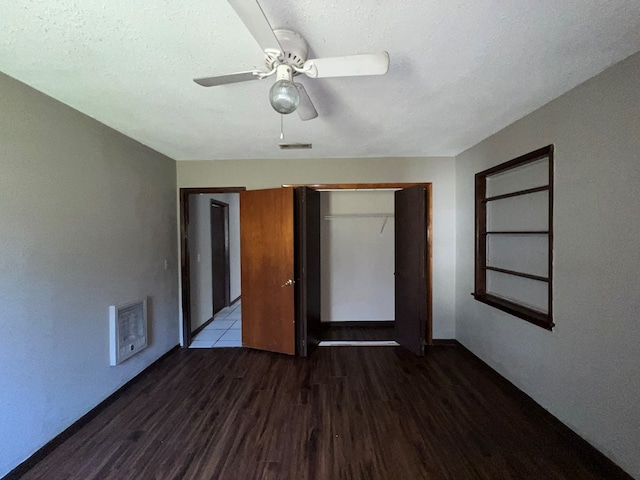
[
  {"x": 200, "y": 253},
  {"x": 440, "y": 171},
  {"x": 87, "y": 219},
  {"x": 585, "y": 372}
]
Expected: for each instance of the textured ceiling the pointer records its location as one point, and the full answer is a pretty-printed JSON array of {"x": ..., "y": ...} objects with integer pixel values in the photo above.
[{"x": 460, "y": 69}]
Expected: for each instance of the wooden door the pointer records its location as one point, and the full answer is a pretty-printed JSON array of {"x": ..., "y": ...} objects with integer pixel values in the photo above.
[
  {"x": 220, "y": 283},
  {"x": 267, "y": 269},
  {"x": 308, "y": 298},
  {"x": 411, "y": 268}
]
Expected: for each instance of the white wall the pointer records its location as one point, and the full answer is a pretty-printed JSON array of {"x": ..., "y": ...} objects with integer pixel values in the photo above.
[
  {"x": 200, "y": 260},
  {"x": 200, "y": 253},
  {"x": 357, "y": 256},
  {"x": 440, "y": 171},
  {"x": 585, "y": 372},
  {"x": 87, "y": 219},
  {"x": 233, "y": 199}
]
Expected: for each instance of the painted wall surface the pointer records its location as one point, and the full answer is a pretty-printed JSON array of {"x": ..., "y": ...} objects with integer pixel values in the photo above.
[
  {"x": 200, "y": 253},
  {"x": 87, "y": 219},
  {"x": 233, "y": 199},
  {"x": 440, "y": 171},
  {"x": 585, "y": 372},
  {"x": 357, "y": 254}
]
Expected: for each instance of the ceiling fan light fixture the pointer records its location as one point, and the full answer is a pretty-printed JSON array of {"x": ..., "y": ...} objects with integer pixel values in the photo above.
[
  {"x": 286, "y": 55},
  {"x": 283, "y": 95}
]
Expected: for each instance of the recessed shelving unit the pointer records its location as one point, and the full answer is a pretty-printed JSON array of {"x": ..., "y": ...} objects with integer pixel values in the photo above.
[{"x": 514, "y": 237}]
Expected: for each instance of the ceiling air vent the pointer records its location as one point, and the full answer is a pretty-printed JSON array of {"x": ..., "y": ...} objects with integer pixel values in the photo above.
[{"x": 294, "y": 146}]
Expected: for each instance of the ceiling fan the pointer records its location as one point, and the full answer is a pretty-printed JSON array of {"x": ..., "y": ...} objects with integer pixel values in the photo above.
[{"x": 286, "y": 57}]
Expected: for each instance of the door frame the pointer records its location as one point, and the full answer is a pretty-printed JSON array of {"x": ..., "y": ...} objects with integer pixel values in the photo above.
[
  {"x": 428, "y": 244},
  {"x": 226, "y": 262},
  {"x": 185, "y": 270},
  {"x": 307, "y": 269}
]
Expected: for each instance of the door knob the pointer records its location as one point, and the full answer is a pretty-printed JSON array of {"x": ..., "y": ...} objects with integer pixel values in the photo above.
[{"x": 287, "y": 283}]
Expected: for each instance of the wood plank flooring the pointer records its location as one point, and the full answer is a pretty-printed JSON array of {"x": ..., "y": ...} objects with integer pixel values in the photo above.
[
  {"x": 359, "y": 333},
  {"x": 343, "y": 413}
]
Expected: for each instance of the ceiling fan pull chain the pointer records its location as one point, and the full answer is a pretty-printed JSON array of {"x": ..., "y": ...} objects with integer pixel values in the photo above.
[{"x": 281, "y": 127}]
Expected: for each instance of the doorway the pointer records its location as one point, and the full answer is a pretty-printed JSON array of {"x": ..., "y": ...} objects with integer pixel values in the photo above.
[
  {"x": 419, "y": 285},
  {"x": 376, "y": 264},
  {"x": 357, "y": 248},
  {"x": 220, "y": 262},
  {"x": 198, "y": 266}
]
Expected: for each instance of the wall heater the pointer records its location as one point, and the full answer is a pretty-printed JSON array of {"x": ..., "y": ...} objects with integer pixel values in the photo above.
[{"x": 127, "y": 330}]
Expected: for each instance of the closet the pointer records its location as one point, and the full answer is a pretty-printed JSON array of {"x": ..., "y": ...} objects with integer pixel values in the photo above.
[{"x": 281, "y": 271}]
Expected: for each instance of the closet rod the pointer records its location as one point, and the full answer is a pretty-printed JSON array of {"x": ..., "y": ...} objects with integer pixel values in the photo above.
[{"x": 359, "y": 215}]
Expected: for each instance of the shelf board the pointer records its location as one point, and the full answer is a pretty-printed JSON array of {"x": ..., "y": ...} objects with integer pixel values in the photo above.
[
  {"x": 520, "y": 232},
  {"x": 536, "y": 317},
  {"x": 518, "y": 274},
  {"x": 518, "y": 193}
]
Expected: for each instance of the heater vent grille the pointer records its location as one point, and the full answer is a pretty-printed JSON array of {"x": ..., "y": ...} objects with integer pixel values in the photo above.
[{"x": 127, "y": 330}]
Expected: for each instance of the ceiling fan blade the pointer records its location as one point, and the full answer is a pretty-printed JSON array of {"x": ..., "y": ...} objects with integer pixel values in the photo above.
[
  {"x": 225, "y": 79},
  {"x": 348, "y": 66},
  {"x": 256, "y": 22},
  {"x": 306, "y": 110}
]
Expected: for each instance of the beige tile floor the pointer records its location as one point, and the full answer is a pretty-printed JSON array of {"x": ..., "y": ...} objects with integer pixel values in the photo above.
[{"x": 224, "y": 331}]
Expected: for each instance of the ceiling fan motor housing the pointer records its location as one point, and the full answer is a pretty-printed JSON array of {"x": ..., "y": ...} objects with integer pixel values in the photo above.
[{"x": 294, "y": 48}]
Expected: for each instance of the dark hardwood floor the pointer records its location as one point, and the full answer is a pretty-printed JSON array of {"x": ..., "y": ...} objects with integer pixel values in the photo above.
[
  {"x": 343, "y": 413},
  {"x": 359, "y": 333}
]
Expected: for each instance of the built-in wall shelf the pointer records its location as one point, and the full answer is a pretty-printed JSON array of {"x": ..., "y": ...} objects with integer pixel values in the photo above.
[
  {"x": 514, "y": 232},
  {"x": 514, "y": 237}
]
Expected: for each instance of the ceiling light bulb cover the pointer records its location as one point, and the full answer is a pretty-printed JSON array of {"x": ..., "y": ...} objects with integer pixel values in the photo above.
[{"x": 284, "y": 96}]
